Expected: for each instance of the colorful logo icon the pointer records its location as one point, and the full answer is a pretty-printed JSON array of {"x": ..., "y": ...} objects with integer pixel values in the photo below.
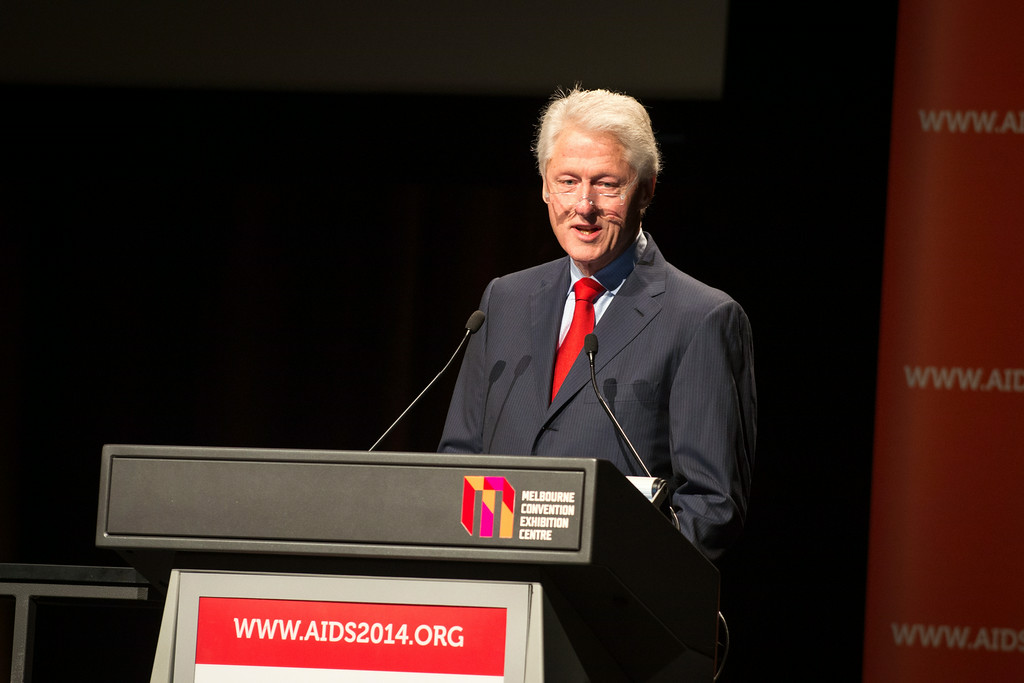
[{"x": 497, "y": 502}]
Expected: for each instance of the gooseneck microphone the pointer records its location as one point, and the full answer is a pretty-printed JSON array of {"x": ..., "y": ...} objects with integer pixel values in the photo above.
[
  {"x": 472, "y": 326},
  {"x": 590, "y": 346}
]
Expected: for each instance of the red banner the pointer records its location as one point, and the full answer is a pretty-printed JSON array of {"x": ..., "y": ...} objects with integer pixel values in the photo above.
[
  {"x": 945, "y": 597},
  {"x": 450, "y": 640}
]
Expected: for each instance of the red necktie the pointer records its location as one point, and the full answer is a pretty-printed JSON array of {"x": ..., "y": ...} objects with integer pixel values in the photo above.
[{"x": 586, "y": 290}]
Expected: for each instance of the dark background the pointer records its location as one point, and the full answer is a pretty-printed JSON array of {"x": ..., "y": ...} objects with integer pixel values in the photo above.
[{"x": 203, "y": 267}]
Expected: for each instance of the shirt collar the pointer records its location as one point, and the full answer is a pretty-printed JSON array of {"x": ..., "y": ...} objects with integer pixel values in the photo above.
[{"x": 615, "y": 273}]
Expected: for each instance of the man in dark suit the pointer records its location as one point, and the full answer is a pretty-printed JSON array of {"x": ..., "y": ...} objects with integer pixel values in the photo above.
[{"x": 675, "y": 359}]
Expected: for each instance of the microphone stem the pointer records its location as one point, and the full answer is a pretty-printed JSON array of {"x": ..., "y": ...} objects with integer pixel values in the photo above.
[
  {"x": 425, "y": 390},
  {"x": 618, "y": 427}
]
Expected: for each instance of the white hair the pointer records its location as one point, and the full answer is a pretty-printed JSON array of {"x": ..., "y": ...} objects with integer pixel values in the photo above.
[{"x": 600, "y": 111}]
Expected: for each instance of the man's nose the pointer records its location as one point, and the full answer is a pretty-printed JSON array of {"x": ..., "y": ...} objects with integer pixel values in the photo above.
[{"x": 585, "y": 205}]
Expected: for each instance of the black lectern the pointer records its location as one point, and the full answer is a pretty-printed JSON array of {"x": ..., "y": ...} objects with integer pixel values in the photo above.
[{"x": 612, "y": 591}]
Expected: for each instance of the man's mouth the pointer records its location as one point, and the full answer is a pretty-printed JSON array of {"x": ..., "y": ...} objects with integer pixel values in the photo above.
[{"x": 586, "y": 231}]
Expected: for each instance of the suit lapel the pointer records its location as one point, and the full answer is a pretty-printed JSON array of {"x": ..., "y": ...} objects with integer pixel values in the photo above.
[
  {"x": 546, "y": 305},
  {"x": 634, "y": 307}
]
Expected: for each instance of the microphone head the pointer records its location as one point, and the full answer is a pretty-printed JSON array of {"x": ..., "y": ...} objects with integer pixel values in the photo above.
[
  {"x": 475, "y": 322},
  {"x": 590, "y": 343}
]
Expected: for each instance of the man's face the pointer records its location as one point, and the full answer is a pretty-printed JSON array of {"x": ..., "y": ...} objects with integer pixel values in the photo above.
[{"x": 594, "y": 201}]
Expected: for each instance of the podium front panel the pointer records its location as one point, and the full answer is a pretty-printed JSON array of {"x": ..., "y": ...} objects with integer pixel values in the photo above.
[
  {"x": 345, "y": 503},
  {"x": 263, "y": 627}
]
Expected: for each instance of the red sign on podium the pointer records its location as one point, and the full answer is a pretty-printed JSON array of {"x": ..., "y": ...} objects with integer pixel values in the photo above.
[{"x": 255, "y": 639}]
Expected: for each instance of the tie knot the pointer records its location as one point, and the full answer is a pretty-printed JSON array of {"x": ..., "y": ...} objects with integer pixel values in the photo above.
[{"x": 587, "y": 289}]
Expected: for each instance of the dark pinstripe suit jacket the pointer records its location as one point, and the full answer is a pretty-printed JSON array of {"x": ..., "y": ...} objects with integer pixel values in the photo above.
[{"x": 675, "y": 364}]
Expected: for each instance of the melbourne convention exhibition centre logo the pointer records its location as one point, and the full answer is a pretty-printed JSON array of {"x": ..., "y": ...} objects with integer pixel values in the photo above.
[{"x": 494, "y": 499}]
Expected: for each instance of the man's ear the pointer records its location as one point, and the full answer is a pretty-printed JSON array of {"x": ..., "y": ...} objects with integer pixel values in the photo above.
[{"x": 646, "y": 193}]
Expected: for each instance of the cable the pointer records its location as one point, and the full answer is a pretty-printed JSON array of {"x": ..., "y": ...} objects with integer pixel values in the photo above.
[{"x": 725, "y": 653}]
